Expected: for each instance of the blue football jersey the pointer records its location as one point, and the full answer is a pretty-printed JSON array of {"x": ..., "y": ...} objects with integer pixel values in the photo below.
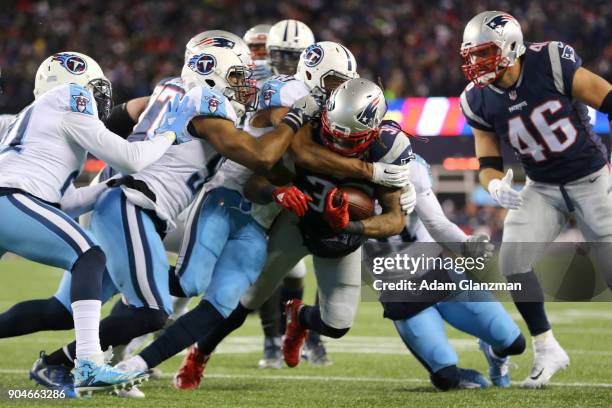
[
  {"x": 549, "y": 130},
  {"x": 392, "y": 146}
]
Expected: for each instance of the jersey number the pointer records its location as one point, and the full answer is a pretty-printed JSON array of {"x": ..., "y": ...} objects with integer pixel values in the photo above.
[
  {"x": 556, "y": 136},
  {"x": 320, "y": 189}
]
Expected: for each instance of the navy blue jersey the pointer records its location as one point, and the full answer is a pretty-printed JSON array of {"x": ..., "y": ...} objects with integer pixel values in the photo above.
[
  {"x": 549, "y": 131},
  {"x": 391, "y": 146}
]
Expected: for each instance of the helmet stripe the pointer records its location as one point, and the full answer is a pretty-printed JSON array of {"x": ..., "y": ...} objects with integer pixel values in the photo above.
[
  {"x": 297, "y": 26},
  {"x": 348, "y": 57},
  {"x": 285, "y": 34}
]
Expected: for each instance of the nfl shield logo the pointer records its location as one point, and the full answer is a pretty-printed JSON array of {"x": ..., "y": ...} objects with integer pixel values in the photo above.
[{"x": 512, "y": 95}]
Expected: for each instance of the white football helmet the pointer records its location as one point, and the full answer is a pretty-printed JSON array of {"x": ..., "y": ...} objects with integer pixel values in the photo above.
[
  {"x": 218, "y": 38},
  {"x": 221, "y": 69},
  {"x": 325, "y": 65},
  {"x": 70, "y": 67},
  {"x": 256, "y": 38},
  {"x": 352, "y": 116},
  {"x": 492, "y": 42},
  {"x": 286, "y": 40}
]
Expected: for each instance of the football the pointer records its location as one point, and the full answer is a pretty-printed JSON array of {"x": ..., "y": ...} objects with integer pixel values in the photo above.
[{"x": 361, "y": 205}]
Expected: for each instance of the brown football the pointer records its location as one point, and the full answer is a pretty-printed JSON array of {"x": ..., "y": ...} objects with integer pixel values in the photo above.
[{"x": 361, "y": 205}]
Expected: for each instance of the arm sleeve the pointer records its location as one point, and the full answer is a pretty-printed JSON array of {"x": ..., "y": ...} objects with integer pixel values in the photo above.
[
  {"x": 77, "y": 201},
  {"x": 441, "y": 228},
  {"x": 123, "y": 156}
]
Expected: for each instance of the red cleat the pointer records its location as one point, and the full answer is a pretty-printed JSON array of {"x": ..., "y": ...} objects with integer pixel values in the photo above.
[
  {"x": 190, "y": 372},
  {"x": 295, "y": 334}
]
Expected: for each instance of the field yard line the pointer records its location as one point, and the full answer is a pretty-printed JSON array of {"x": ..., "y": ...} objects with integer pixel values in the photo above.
[{"x": 334, "y": 378}]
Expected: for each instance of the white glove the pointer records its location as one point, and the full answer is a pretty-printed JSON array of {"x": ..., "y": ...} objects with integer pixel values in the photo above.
[
  {"x": 504, "y": 194},
  {"x": 391, "y": 175},
  {"x": 408, "y": 198},
  {"x": 476, "y": 246}
]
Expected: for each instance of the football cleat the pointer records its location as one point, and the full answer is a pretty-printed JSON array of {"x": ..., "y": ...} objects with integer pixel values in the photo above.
[
  {"x": 53, "y": 377},
  {"x": 190, "y": 373},
  {"x": 295, "y": 334},
  {"x": 469, "y": 379},
  {"x": 272, "y": 355},
  {"x": 134, "y": 392},
  {"x": 90, "y": 376},
  {"x": 549, "y": 357},
  {"x": 316, "y": 354},
  {"x": 499, "y": 372}
]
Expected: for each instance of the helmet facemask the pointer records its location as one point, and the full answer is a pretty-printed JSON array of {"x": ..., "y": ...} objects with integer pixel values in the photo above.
[
  {"x": 284, "y": 61},
  {"x": 341, "y": 141},
  {"x": 241, "y": 87},
  {"x": 103, "y": 94},
  {"x": 484, "y": 64}
]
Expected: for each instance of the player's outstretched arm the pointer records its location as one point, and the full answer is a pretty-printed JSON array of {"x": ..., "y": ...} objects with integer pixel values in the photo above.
[
  {"x": 593, "y": 90},
  {"x": 124, "y": 117},
  {"x": 258, "y": 154}
]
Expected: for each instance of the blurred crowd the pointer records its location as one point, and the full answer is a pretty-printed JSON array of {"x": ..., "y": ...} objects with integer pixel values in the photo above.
[{"x": 411, "y": 45}]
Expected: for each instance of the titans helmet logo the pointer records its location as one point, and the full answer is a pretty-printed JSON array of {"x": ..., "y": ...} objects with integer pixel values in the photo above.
[
  {"x": 73, "y": 63},
  {"x": 313, "y": 55},
  {"x": 498, "y": 22},
  {"x": 203, "y": 64},
  {"x": 368, "y": 114}
]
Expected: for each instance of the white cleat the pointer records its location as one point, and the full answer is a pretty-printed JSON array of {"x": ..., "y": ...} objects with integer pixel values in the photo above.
[
  {"x": 134, "y": 392},
  {"x": 549, "y": 357}
]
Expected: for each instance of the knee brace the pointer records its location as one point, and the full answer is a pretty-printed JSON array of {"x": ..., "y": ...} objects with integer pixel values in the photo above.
[{"x": 87, "y": 274}]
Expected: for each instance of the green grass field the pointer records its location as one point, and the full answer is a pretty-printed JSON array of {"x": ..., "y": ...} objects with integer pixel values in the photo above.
[{"x": 371, "y": 366}]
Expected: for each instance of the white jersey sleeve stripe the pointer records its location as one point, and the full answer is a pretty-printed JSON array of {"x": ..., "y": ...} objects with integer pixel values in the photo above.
[
  {"x": 139, "y": 261},
  {"x": 467, "y": 111},
  {"x": 555, "y": 63},
  {"x": 60, "y": 224}
]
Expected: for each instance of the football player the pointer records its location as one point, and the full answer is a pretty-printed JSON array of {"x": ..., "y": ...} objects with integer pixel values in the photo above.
[
  {"x": 534, "y": 96},
  {"x": 43, "y": 151},
  {"x": 337, "y": 253},
  {"x": 420, "y": 320},
  {"x": 256, "y": 38}
]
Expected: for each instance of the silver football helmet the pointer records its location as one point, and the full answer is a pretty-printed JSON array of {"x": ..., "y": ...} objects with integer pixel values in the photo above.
[
  {"x": 492, "y": 42},
  {"x": 286, "y": 41},
  {"x": 352, "y": 116},
  {"x": 218, "y": 38}
]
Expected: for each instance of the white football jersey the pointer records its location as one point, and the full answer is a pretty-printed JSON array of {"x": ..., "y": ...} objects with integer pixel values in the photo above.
[
  {"x": 45, "y": 148},
  {"x": 177, "y": 176},
  {"x": 278, "y": 91}
]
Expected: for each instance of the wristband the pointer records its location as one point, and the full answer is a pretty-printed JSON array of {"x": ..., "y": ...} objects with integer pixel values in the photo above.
[
  {"x": 354, "y": 227},
  {"x": 293, "y": 119}
]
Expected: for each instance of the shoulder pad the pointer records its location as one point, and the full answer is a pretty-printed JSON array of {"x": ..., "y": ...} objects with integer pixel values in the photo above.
[
  {"x": 209, "y": 102},
  {"x": 391, "y": 146},
  {"x": 281, "y": 91},
  {"x": 81, "y": 100}
]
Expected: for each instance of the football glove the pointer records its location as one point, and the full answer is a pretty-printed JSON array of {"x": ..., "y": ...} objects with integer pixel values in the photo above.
[
  {"x": 336, "y": 216},
  {"x": 504, "y": 194},
  {"x": 176, "y": 118},
  {"x": 408, "y": 199},
  {"x": 390, "y": 175},
  {"x": 477, "y": 246},
  {"x": 292, "y": 199}
]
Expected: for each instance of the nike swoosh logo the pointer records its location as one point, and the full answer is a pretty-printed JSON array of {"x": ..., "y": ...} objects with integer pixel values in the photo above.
[
  {"x": 593, "y": 179},
  {"x": 389, "y": 172},
  {"x": 535, "y": 377},
  {"x": 42, "y": 374}
]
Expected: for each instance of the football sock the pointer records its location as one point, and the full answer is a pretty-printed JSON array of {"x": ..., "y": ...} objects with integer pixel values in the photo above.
[
  {"x": 120, "y": 327},
  {"x": 310, "y": 318},
  {"x": 35, "y": 315},
  {"x": 445, "y": 378},
  {"x": 517, "y": 347},
  {"x": 208, "y": 343},
  {"x": 182, "y": 333},
  {"x": 86, "y": 316},
  {"x": 530, "y": 302},
  {"x": 270, "y": 315},
  {"x": 87, "y": 274}
]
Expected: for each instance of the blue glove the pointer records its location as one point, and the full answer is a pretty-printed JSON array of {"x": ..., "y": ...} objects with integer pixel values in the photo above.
[{"x": 176, "y": 118}]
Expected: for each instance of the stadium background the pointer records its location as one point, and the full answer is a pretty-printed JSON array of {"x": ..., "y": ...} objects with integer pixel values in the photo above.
[{"x": 412, "y": 46}]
